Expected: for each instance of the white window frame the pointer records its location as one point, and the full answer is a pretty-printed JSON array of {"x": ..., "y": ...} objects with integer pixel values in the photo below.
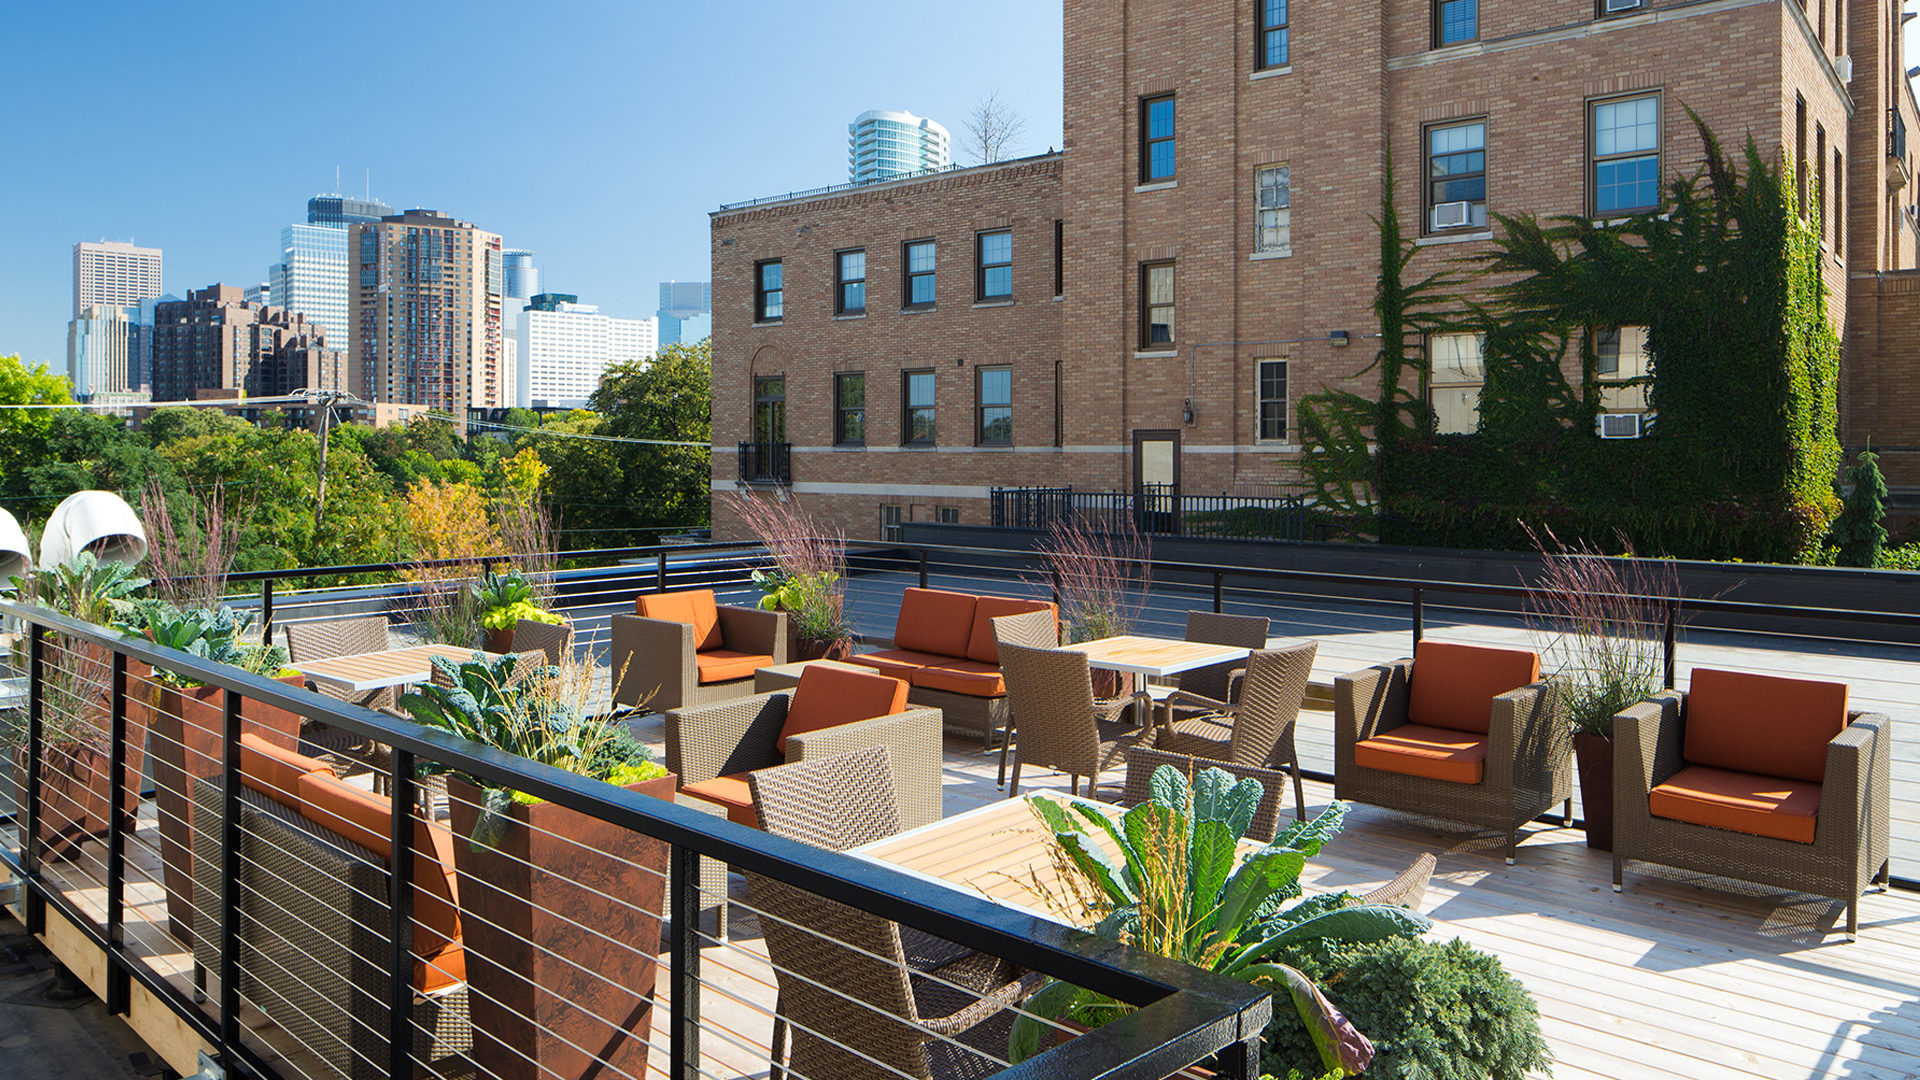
[
  {"x": 1281, "y": 226},
  {"x": 1260, "y": 400},
  {"x": 1446, "y": 375}
]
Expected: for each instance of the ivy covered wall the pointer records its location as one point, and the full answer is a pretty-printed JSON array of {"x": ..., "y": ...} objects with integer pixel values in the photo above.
[{"x": 1741, "y": 459}]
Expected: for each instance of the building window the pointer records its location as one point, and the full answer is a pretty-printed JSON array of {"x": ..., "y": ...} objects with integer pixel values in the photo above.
[
  {"x": 1621, "y": 354},
  {"x": 1457, "y": 176},
  {"x": 994, "y": 411},
  {"x": 1820, "y": 180},
  {"x": 916, "y": 398},
  {"x": 1156, "y": 139},
  {"x": 1059, "y": 404},
  {"x": 1800, "y": 153},
  {"x": 770, "y": 409},
  {"x": 850, "y": 282},
  {"x": 1273, "y": 210},
  {"x": 1455, "y": 21},
  {"x": 850, "y": 409},
  {"x": 890, "y": 522},
  {"x": 919, "y": 261},
  {"x": 1626, "y": 155},
  {"x": 1271, "y": 391},
  {"x": 1156, "y": 304},
  {"x": 1059, "y": 257},
  {"x": 1458, "y": 372},
  {"x": 767, "y": 291},
  {"x": 1272, "y": 39},
  {"x": 993, "y": 261},
  {"x": 1839, "y": 202},
  {"x": 1616, "y": 7},
  {"x": 948, "y": 515}
]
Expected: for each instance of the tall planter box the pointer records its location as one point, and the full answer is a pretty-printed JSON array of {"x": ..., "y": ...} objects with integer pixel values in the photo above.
[
  {"x": 1594, "y": 753},
  {"x": 534, "y": 913},
  {"x": 74, "y": 777},
  {"x": 188, "y": 726}
]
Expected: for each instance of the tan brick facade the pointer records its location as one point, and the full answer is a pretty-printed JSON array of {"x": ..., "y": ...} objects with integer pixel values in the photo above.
[{"x": 1362, "y": 82}]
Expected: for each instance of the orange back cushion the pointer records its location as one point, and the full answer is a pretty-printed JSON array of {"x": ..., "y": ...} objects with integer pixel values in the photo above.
[
  {"x": 1454, "y": 685},
  {"x": 360, "y": 816},
  {"x": 829, "y": 696},
  {"x": 275, "y": 772},
  {"x": 935, "y": 621},
  {"x": 980, "y": 644},
  {"x": 1763, "y": 724},
  {"x": 696, "y": 606}
]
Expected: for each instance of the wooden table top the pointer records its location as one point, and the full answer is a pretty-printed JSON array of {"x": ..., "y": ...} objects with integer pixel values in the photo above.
[
  {"x": 374, "y": 671},
  {"x": 1155, "y": 657}
]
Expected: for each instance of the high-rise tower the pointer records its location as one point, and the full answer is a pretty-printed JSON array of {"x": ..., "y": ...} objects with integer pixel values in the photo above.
[
  {"x": 882, "y": 145},
  {"x": 426, "y": 313},
  {"x": 311, "y": 276},
  {"x": 113, "y": 273}
]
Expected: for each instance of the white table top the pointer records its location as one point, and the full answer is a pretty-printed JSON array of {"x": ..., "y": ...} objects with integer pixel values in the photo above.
[
  {"x": 374, "y": 671},
  {"x": 1155, "y": 657}
]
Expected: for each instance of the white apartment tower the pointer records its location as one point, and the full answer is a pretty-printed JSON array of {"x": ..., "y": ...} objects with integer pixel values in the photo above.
[
  {"x": 113, "y": 273},
  {"x": 566, "y": 347},
  {"x": 882, "y": 145}
]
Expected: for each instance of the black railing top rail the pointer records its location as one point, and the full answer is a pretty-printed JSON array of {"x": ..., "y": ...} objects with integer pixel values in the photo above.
[
  {"x": 476, "y": 560},
  {"x": 1185, "y": 1014}
]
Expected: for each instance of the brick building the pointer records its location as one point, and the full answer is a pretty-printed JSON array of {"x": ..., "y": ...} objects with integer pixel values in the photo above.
[
  {"x": 215, "y": 343},
  {"x": 426, "y": 309},
  {"x": 1217, "y": 254}
]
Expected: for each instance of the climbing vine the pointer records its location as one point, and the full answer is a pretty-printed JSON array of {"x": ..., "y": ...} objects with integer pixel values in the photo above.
[{"x": 1741, "y": 457}]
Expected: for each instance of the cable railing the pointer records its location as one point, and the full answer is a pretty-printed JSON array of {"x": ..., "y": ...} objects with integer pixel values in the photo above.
[{"x": 308, "y": 921}]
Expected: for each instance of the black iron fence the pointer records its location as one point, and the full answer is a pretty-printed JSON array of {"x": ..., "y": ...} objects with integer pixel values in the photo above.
[
  {"x": 766, "y": 463},
  {"x": 1158, "y": 510}
]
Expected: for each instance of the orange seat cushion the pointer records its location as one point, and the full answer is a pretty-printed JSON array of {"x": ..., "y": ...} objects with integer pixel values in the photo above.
[
  {"x": 274, "y": 771},
  {"x": 935, "y": 621},
  {"x": 1742, "y": 802},
  {"x": 730, "y": 791},
  {"x": 830, "y": 696},
  {"x": 721, "y": 665},
  {"x": 695, "y": 606},
  {"x": 437, "y": 971},
  {"x": 969, "y": 677},
  {"x": 1763, "y": 724},
  {"x": 899, "y": 663},
  {"x": 1435, "y": 753},
  {"x": 980, "y": 644},
  {"x": 1454, "y": 685},
  {"x": 365, "y": 819}
]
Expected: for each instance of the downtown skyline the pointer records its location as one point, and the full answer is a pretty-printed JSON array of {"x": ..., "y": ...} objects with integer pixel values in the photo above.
[{"x": 593, "y": 144}]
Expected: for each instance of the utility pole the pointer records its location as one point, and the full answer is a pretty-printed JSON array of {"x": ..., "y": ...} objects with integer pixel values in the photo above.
[{"x": 326, "y": 399}]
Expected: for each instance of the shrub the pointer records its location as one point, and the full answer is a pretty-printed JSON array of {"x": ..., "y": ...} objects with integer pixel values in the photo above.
[{"x": 1434, "y": 1010}]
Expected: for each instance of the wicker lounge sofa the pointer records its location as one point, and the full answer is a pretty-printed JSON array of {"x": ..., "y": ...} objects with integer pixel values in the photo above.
[
  {"x": 1759, "y": 778},
  {"x": 313, "y": 912},
  {"x": 1464, "y": 732},
  {"x": 943, "y": 647},
  {"x": 712, "y": 748},
  {"x": 684, "y": 649}
]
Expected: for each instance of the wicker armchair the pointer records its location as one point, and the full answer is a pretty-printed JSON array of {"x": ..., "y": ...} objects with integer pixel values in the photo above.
[
  {"x": 869, "y": 998},
  {"x": 1840, "y": 852},
  {"x": 313, "y": 944},
  {"x": 1258, "y": 730},
  {"x": 714, "y": 748},
  {"x": 666, "y": 663},
  {"x": 1062, "y": 725},
  {"x": 1427, "y": 757},
  {"x": 554, "y": 640}
]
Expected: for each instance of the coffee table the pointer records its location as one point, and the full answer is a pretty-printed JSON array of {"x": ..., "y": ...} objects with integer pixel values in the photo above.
[{"x": 787, "y": 676}]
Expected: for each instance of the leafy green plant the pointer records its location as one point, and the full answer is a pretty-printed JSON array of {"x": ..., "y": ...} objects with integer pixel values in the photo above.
[
  {"x": 809, "y": 572},
  {"x": 813, "y": 599},
  {"x": 1435, "y": 1010},
  {"x": 84, "y": 587},
  {"x": 1858, "y": 531},
  {"x": 508, "y": 705},
  {"x": 504, "y": 599},
  {"x": 212, "y": 635},
  {"x": 1179, "y": 889}
]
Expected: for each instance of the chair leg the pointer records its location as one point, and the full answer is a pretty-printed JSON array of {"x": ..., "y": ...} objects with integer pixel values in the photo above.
[
  {"x": 1299, "y": 795},
  {"x": 1073, "y": 783},
  {"x": 1006, "y": 740},
  {"x": 1513, "y": 841},
  {"x": 1014, "y": 791},
  {"x": 1853, "y": 919},
  {"x": 1618, "y": 866},
  {"x": 1566, "y": 814},
  {"x": 1885, "y": 877},
  {"x": 775, "y": 1070}
]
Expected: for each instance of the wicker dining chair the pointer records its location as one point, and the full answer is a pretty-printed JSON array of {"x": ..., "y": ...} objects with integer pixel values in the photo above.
[
  {"x": 1216, "y": 682},
  {"x": 1257, "y": 730},
  {"x": 553, "y": 639},
  {"x": 349, "y": 752},
  {"x": 875, "y": 999},
  {"x": 1035, "y": 630},
  {"x": 1142, "y": 760},
  {"x": 1062, "y": 725}
]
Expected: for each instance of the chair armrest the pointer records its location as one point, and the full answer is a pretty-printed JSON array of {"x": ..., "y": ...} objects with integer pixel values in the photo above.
[
  {"x": 1527, "y": 737},
  {"x": 728, "y": 737},
  {"x": 1646, "y": 753},
  {"x": 1367, "y": 703},
  {"x": 1855, "y": 767},
  {"x": 755, "y": 632},
  {"x": 651, "y": 661},
  {"x": 1202, "y": 701}
]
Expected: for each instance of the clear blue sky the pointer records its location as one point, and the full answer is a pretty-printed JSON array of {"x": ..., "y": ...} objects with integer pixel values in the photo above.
[{"x": 597, "y": 133}]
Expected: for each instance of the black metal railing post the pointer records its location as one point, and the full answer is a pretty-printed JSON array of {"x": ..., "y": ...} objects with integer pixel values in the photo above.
[
  {"x": 1419, "y": 614},
  {"x": 923, "y": 568},
  {"x": 1671, "y": 640},
  {"x": 1219, "y": 599},
  {"x": 119, "y": 824},
  {"x": 684, "y": 1044},
  {"x": 1241, "y": 1061},
  {"x": 230, "y": 878},
  {"x": 36, "y": 909},
  {"x": 266, "y": 612},
  {"x": 1054, "y": 573},
  {"x": 660, "y": 572},
  {"x": 400, "y": 917}
]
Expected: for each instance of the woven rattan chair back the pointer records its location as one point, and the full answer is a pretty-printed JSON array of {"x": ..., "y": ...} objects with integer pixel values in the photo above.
[
  {"x": 336, "y": 637},
  {"x": 1270, "y": 699},
  {"x": 1050, "y": 693},
  {"x": 835, "y": 803},
  {"x": 553, "y": 639},
  {"x": 1240, "y": 631},
  {"x": 1034, "y": 629}
]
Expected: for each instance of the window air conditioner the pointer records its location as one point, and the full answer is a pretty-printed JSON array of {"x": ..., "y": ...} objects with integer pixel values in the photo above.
[
  {"x": 1448, "y": 214},
  {"x": 1620, "y": 426},
  {"x": 1613, "y": 6}
]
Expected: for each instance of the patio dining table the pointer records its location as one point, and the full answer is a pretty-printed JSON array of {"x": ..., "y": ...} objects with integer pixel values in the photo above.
[
  {"x": 374, "y": 671},
  {"x": 1155, "y": 658}
]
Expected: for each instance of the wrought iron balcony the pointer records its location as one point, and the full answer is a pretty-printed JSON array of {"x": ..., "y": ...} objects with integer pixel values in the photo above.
[{"x": 766, "y": 463}]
